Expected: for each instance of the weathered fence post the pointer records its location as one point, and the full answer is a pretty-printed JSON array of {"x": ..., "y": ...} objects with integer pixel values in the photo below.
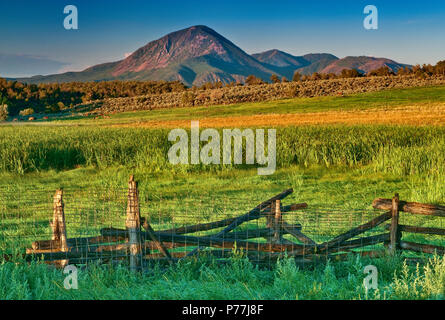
[
  {"x": 133, "y": 224},
  {"x": 394, "y": 233},
  {"x": 278, "y": 221},
  {"x": 58, "y": 225},
  {"x": 275, "y": 222}
]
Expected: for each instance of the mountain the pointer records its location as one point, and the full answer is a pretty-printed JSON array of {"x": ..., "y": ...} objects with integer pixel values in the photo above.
[
  {"x": 362, "y": 64},
  {"x": 198, "y": 54},
  {"x": 318, "y": 61},
  {"x": 99, "y": 72},
  {"x": 194, "y": 56},
  {"x": 286, "y": 64}
]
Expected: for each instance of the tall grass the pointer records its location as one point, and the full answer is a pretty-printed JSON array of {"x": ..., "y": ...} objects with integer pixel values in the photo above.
[
  {"x": 236, "y": 280},
  {"x": 389, "y": 149}
]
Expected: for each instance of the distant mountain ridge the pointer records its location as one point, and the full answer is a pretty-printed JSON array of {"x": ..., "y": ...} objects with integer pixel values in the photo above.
[
  {"x": 198, "y": 54},
  {"x": 362, "y": 64},
  {"x": 286, "y": 64}
]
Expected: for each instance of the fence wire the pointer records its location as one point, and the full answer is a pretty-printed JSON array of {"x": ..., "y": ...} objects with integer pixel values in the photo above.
[{"x": 26, "y": 217}]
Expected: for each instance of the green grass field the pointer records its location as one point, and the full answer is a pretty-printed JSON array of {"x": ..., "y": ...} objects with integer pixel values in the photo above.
[
  {"x": 338, "y": 168},
  {"x": 383, "y": 99}
]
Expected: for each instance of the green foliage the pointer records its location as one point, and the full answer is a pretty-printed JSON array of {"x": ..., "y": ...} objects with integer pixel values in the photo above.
[
  {"x": 4, "y": 112},
  {"x": 56, "y": 96},
  {"x": 397, "y": 150},
  {"x": 275, "y": 79},
  {"x": 382, "y": 71},
  {"x": 296, "y": 77},
  {"x": 188, "y": 99},
  {"x": 252, "y": 80},
  {"x": 236, "y": 280},
  {"x": 27, "y": 112},
  {"x": 350, "y": 73}
]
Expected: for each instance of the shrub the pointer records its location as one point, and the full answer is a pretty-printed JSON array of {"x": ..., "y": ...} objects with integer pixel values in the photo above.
[
  {"x": 4, "y": 113},
  {"x": 296, "y": 77},
  {"x": 61, "y": 105},
  {"x": 188, "y": 99},
  {"x": 27, "y": 112},
  {"x": 216, "y": 95},
  {"x": 382, "y": 71},
  {"x": 292, "y": 91},
  {"x": 350, "y": 73},
  {"x": 252, "y": 80},
  {"x": 275, "y": 79}
]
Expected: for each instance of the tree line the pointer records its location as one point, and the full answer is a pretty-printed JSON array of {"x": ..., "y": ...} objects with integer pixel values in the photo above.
[
  {"x": 25, "y": 99},
  {"x": 54, "y": 97}
]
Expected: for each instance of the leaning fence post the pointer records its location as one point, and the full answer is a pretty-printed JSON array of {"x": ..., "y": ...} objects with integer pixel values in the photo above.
[
  {"x": 133, "y": 224},
  {"x": 394, "y": 234}
]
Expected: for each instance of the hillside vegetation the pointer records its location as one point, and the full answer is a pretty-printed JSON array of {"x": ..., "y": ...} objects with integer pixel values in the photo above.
[
  {"x": 51, "y": 98},
  {"x": 264, "y": 92},
  {"x": 117, "y": 96}
]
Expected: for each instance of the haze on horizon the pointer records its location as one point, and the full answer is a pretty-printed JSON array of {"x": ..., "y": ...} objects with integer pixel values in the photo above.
[{"x": 33, "y": 40}]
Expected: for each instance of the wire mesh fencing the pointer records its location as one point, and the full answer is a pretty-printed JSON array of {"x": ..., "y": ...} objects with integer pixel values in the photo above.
[{"x": 139, "y": 228}]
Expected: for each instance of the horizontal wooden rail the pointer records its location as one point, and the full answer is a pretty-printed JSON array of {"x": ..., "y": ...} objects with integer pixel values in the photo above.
[
  {"x": 74, "y": 242},
  {"x": 259, "y": 233},
  {"x": 411, "y": 207},
  {"x": 356, "y": 231},
  {"x": 328, "y": 248},
  {"x": 422, "y": 230},
  {"x": 419, "y": 247},
  {"x": 218, "y": 242},
  {"x": 359, "y": 243},
  {"x": 290, "y": 208},
  {"x": 226, "y": 222}
]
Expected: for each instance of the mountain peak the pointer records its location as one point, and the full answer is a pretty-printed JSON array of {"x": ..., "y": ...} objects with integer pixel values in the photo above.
[
  {"x": 198, "y": 54},
  {"x": 185, "y": 44}
]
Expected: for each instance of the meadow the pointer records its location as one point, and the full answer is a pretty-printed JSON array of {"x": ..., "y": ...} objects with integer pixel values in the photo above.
[
  {"x": 331, "y": 167},
  {"x": 425, "y": 99}
]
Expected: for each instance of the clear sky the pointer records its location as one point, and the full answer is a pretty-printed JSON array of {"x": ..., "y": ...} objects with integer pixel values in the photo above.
[{"x": 33, "y": 40}]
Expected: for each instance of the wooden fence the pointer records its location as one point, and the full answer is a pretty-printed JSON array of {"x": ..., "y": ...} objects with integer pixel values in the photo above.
[
  {"x": 396, "y": 230},
  {"x": 139, "y": 244}
]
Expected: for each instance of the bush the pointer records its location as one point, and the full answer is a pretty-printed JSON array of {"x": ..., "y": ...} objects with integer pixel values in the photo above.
[
  {"x": 188, "y": 99},
  {"x": 61, "y": 105},
  {"x": 350, "y": 73},
  {"x": 252, "y": 80},
  {"x": 292, "y": 91},
  {"x": 216, "y": 96},
  {"x": 275, "y": 79},
  {"x": 381, "y": 72},
  {"x": 296, "y": 77},
  {"x": 27, "y": 112},
  {"x": 4, "y": 113}
]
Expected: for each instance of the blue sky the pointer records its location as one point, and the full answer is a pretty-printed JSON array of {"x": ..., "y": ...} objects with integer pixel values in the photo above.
[{"x": 33, "y": 40}]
